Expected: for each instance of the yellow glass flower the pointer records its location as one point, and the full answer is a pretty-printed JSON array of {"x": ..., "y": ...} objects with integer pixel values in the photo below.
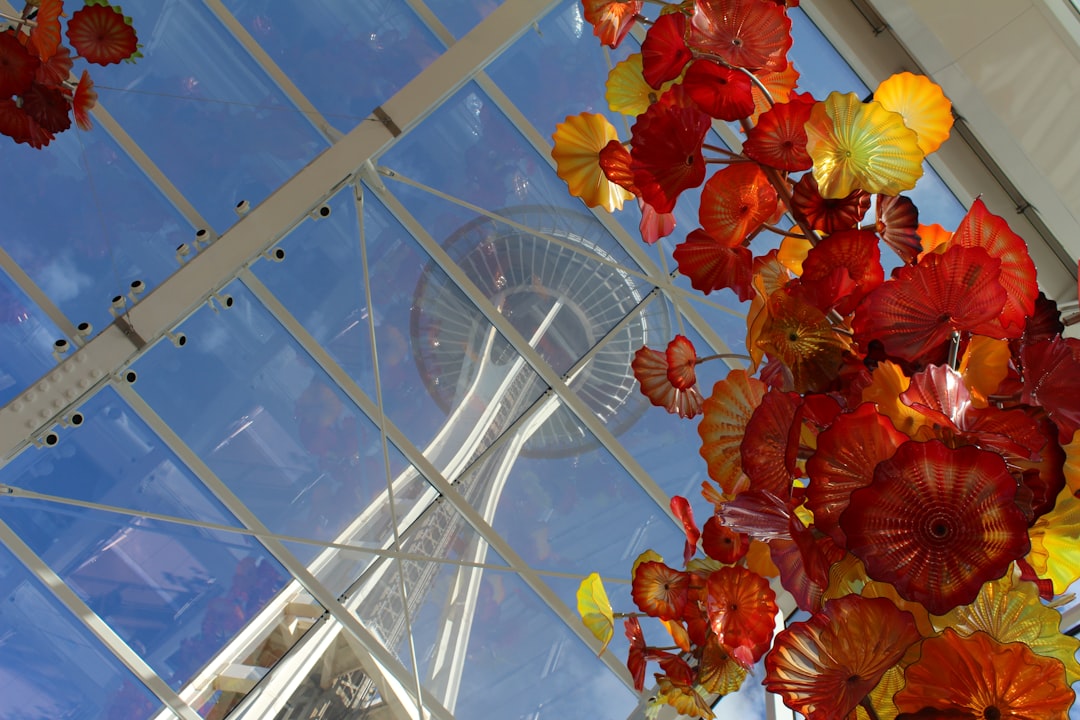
[
  {"x": 1009, "y": 610},
  {"x": 578, "y": 143},
  {"x": 595, "y": 609},
  {"x": 922, "y": 104},
  {"x": 861, "y": 145},
  {"x": 984, "y": 365},
  {"x": 1072, "y": 463},
  {"x": 1055, "y": 542},
  {"x": 626, "y": 89}
]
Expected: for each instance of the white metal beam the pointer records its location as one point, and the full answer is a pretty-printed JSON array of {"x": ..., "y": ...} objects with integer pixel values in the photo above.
[{"x": 213, "y": 267}]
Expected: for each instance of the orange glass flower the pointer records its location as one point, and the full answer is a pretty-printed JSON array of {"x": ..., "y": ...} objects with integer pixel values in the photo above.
[
  {"x": 611, "y": 19},
  {"x": 659, "y": 591},
  {"x": 801, "y": 337},
  {"x": 922, "y": 104},
  {"x": 735, "y": 202},
  {"x": 977, "y": 674},
  {"x": 937, "y": 523},
  {"x": 578, "y": 143},
  {"x": 823, "y": 667},
  {"x": 726, "y": 414},
  {"x": 84, "y": 101},
  {"x": 651, "y": 371},
  {"x": 861, "y": 145},
  {"x": 742, "y": 611}
]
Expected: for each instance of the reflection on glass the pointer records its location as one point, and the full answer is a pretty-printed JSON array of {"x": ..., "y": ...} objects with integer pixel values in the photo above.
[
  {"x": 113, "y": 226},
  {"x": 50, "y": 666},
  {"x": 175, "y": 593},
  {"x": 270, "y": 424},
  {"x": 373, "y": 47},
  {"x": 26, "y": 340},
  {"x": 203, "y": 110}
]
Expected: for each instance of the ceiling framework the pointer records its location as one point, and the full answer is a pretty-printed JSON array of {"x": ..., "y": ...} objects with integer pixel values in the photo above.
[{"x": 448, "y": 537}]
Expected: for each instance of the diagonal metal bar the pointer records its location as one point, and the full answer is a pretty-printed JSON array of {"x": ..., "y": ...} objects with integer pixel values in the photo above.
[
  {"x": 433, "y": 475},
  {"x": 177, "y": 296},
  {"x": 93, "y": 622},
  {"x": 380, "y": 659}
]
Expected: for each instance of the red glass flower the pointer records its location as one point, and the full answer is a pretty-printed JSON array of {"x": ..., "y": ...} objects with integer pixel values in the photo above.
[
  {"x": 847, "y": 453},
  {"x": 746, "y": 33},
  {"x": 101, "y": 35},
  {"x": 663, "y": 52},
  {"x": 722, "y": 92},
  {"x": 917, "y": 312},
  {"x": 665, "y": 149},
  {"x": 17, "y": 66},
  {"x": 828, "y": 215},
  {"x": 937, "y": 523},
  {"x": 726, "y": 414},
  {"x": 711, "y": 265},
  {"x": 779, "y": 138},
  {"x": 898, "y": 224},
  {"x": 84, "y": 101}
]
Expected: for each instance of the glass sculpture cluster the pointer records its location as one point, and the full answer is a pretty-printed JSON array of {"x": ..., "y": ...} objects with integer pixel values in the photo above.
[{"x": 901, "y": 450}]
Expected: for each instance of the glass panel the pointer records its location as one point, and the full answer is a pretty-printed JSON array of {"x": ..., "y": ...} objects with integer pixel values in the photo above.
[
  {"x": 204, "y": 112},
  {"x": 175, "y": 593},
  {"x": 26, "y": 340},
  {"x": 510, "y": 654},
  {"x": 468, "y": 149},
  {"x": 269, "y": 422},
  {"x": 51, "y": 666},
  {"x": 662, "y": 443},
  {"x": 461, "y": 16},
  {"x": 322, "y": 286},
  {"x": 86, "y": 222},
  {"x": 375, "y": 46},
  {"x": 564, "y": 503},
  {"x": 821, "y": 68},
  {"x": 338, "y": 568}
]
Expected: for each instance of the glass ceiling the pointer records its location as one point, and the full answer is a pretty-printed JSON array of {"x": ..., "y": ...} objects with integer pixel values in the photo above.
[{"x": 349, "y": 454}]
